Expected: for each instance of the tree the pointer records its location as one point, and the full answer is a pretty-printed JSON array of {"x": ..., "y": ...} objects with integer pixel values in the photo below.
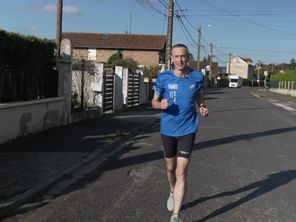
[
  {"x": 292, "y": 64},
  {"x": 118, "y": 60},
  {"x": 151, "y": 72},
  {"x": 191, "y": 58}
]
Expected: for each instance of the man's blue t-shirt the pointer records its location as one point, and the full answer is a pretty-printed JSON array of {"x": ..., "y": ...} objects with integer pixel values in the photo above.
[{"x": 180, "y": 118}]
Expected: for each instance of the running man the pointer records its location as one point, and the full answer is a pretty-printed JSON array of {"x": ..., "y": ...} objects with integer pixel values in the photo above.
[{"x": 178, "y": 93}]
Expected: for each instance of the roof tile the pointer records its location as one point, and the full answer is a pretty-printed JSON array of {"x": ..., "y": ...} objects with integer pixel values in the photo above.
[{"x": 116, "y": 41}]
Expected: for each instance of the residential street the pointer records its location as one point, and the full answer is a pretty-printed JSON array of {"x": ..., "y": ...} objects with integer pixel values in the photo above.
[{"x": 243, "y": 169}]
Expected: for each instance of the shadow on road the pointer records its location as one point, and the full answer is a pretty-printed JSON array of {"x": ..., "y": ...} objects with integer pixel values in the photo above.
[
  {"x": 272, "y": 182},
  {"x": 261, "y": 187},
  {"x": 148, "y": 157},
  {"x": 230, "y": 139}
]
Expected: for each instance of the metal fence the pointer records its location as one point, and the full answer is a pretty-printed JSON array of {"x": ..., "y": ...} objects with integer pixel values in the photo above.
[
  {"x": 108, "y": 90},
  {"x": 274, "y": 83},
  {"x": 94, "y": 87},
  {"x": 133, "y": 89},
  {"x": 23, "y": 85}
]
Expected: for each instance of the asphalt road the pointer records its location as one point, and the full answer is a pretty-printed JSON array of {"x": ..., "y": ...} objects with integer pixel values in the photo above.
[{"x": 243, "y": 169}]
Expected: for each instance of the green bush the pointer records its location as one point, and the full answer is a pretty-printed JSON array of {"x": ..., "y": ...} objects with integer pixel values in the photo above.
[
  {"x": 151, "y": 72},
  {"x": 118, "y": 60},
  {"x": 288, "y": 76},
  {"x": 27, "y": 67},
  {"x": 20, "y": 52},
  {"x": 246, "y": 82}
]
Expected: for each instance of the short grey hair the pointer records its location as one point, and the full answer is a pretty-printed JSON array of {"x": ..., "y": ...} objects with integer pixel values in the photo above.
[{"x": 179, "y": 45}]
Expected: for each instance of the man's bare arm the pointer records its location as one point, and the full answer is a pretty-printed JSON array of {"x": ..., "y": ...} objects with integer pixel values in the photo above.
[{"x": 159, "y": 104}]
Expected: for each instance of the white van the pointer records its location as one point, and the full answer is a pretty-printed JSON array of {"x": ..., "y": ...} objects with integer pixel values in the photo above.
[{"x": 235, "y": 81}]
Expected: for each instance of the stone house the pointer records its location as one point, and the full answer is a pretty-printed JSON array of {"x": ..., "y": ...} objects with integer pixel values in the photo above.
[
  {"x": 204, "y": 64},
  {"x": 147, "y": 50},
  {"x": 241, "y": 66}
]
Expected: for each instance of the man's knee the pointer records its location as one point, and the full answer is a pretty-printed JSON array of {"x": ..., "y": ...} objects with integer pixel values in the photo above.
[
  {"x": 171, "y": 165},
  {"x": 171, "y": 169},
  {"x": 180, "y": 173},
  {"x": 181, "y": 169}
]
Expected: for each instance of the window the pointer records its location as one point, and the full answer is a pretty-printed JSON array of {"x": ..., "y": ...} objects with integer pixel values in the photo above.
[{"x": 92, "y": 54}]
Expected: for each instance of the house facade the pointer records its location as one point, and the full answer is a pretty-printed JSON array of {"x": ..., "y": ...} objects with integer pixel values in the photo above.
[
  {"x": 203, "y": 66},
  {"x": 241, "y": 66},
  {"x": 147, "y": 50}
]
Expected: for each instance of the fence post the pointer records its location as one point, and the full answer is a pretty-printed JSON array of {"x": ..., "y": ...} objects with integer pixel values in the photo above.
[
  {"x": 125, "y": 85},
  {"x": 97, "y": 85},
  {"x": 118, "y": 93},
  {"x": 141, "y": 84},
  {"x": 82, "y": 85},
  {"x": 65, "y": 78},
  {"x": 147, "y": 87}
]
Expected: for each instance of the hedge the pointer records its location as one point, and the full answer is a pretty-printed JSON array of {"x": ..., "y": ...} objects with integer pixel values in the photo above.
[
  {"x": 288, "y": 76},
  {"x": 27, "y": 67}
]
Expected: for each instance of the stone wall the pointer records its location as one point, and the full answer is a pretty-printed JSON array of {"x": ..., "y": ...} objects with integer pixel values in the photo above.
[
  {"x": 22, "y": 118},
  {"x": 285, "y": 88}
]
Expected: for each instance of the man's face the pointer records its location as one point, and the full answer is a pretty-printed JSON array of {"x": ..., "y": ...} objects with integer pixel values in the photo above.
[{"x": 179, "y": 58}]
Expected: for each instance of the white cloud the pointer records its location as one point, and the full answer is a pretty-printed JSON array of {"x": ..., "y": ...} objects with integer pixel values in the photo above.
[
  {"x": 49, "y": 8},
  {"x": 67, "y": 9},
  {"x": 71, "y": 10},
  {"x": 33, "y": 28}
]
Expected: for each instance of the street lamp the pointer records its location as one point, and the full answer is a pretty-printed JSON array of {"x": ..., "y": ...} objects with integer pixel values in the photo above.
[{"x": 258, "y": 67}]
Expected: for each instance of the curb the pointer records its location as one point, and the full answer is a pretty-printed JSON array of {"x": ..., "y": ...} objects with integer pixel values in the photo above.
[{"x": 17, "y": 201}]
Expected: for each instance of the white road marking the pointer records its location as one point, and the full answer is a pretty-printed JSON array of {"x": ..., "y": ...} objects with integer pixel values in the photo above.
[
  {"x": 254, "y": 94},
  {"x": 288, "y": 108}
]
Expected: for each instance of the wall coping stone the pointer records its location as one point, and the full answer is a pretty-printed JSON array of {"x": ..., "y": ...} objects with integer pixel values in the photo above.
[{"x": 30, "y": 102}]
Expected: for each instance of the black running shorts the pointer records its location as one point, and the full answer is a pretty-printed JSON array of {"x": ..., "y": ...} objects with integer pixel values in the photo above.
[{"x": 178, "y": 146}]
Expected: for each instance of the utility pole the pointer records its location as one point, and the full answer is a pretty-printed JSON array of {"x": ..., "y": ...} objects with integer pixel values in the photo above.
[
  {"x": 229, "y": 61},
  {"x": 59, "y": 16},
  {"x": 169, "y": 34},
  {"x": 210, "y": 58},
  {"x": 198, "y": 49}
]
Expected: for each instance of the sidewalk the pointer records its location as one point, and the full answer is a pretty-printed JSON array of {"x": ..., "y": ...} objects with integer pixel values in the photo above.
[{"x": 32, "y": 164}]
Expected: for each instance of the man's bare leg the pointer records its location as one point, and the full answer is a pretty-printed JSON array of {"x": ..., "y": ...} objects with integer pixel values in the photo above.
[
  {"x": 180, "y": 184},
  {"x": 171, "y": 171}
]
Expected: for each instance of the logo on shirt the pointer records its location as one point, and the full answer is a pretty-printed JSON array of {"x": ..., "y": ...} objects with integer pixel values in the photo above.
[
  {"x": 172, "y": 86},
  {"x": 192, "y": 86}
]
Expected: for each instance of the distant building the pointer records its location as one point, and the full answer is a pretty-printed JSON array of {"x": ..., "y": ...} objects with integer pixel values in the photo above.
[
  {"x": 222, "y": 70},
  {"x": 241, "y": 66},
  {"x": 203, "y": 64},
  {"x": 147, "y": 50}
]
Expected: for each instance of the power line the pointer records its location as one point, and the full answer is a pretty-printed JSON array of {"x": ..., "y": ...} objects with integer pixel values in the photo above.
[
  {"x": 218, "y": 49},
  {"x": 181, "y": 10},
  {"x": 248, "y": 20},
  {"x": 237, "y": 14},
  {"x": 147, "y": 3},
  {"x": 259, "y": 50},
  {"x": 219, "y": 60},
  {"x": 185, "y": 31},
  {"x": 164, "y": 4}
]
